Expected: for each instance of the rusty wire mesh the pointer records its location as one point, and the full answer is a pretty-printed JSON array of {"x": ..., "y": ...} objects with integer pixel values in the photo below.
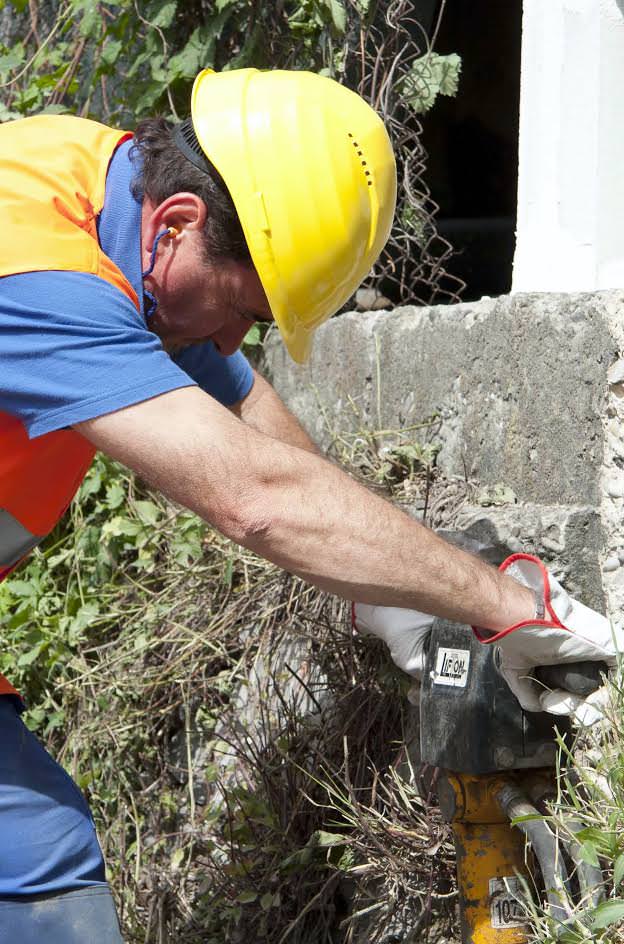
[{"x": 378, "y": 58}]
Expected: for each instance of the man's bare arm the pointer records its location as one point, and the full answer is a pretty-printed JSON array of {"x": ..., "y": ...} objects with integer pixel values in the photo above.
[
  {"x": 301, "y": 512},
  {"x": 263, "y": 410}
]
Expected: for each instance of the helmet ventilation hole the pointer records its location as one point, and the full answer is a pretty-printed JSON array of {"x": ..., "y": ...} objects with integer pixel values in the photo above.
[{"x": 362, "y": 162}]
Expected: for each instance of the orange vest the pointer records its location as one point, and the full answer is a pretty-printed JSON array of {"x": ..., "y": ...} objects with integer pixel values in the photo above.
[{"x": 52, "y": 182}]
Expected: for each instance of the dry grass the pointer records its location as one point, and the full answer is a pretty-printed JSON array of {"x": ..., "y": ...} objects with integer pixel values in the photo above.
[{"x": 241, "y": 750}]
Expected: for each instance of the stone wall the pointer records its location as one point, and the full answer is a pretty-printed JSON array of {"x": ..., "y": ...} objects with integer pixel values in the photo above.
[{"x": 529, "y": 395}]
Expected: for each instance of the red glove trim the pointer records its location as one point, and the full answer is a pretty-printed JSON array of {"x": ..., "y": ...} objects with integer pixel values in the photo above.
[{"x": 553, "y": 623}]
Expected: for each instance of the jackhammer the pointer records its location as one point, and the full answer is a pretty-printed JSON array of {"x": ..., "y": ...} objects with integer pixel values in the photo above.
[{"x": 496, "y": 763}]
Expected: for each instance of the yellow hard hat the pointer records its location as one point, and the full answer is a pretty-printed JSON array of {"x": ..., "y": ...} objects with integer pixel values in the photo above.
[{"x": 310, "y": 169}]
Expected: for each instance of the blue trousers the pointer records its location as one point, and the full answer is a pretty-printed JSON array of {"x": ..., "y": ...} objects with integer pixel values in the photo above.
[{"x": 52, "y": 877}]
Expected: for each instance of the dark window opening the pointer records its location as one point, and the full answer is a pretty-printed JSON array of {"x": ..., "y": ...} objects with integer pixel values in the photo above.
[{"x": 472, "y": 143}]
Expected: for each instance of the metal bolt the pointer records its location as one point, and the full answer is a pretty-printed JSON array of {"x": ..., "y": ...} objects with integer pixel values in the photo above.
[{"x": 504, "y": 757}]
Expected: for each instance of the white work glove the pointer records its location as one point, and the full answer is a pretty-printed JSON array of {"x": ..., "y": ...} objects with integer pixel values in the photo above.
[
  {"x": 566, "y": 631},
  {"x": 405, "y": 632}
]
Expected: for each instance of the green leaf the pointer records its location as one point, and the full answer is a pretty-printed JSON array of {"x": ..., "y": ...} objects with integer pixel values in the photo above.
[
  {"x": 253, "y": 336},
  {"x": 589, "y": 854},
  {"x": 27, "y": 658},
  {"x": 604, "y": 841},
  {"x": 148, "y": 512},
  {"x": 346, "y": 860},
  {"x": 338, "y": 14},
  {"x": 22, "y": 588},
  {"x": 55, "y": 110},
  {"x": 83, "y": 618},
  {"x": 6, "y": 114},
  {"x": 246, "y": 898},
  {"x": 608, "y": 913},
  {"x": 571, "y": 937},
  {"x": 618, "y": 870},
  {"x": 115, "y": 495},
  {"x": 165, "y": 15},
  {"x": 228, "y": 572},
  {"x": 111, "y": 50},
  {"x": 326, "y": 840},
  {"x": 11, "y": 60},
  {"x": 429, "y": 76},
  {"x": 121, "y": 527},
  {"x": 176, "y": 858}
]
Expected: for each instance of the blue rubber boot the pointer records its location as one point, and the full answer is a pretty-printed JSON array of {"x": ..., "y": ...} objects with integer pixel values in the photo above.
[{"x": 84, "y": 916}]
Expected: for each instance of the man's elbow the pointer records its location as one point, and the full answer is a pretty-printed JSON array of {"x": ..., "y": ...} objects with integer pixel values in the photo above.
[{"x": 244, "y": 516}]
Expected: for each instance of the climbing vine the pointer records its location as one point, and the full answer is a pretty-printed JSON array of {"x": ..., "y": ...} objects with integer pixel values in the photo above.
[{"x": 119, "y": 60}]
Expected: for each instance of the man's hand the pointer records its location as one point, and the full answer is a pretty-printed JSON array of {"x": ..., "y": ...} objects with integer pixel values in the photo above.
[
  {"x": 564, "y": 631},
  {"x": 405, "y": 632}
]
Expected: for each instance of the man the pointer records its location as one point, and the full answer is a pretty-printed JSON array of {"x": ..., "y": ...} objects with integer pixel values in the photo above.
[{"x": 132, "y": 267}]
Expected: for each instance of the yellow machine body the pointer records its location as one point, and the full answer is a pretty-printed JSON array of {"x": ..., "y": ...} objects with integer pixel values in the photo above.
[{"x": 490, "y": 858}]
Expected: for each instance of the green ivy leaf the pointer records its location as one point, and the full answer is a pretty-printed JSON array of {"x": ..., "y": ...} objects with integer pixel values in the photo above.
[
  {"x": 27, "y": 658},
  {"x": 54, "y": 110},
  {"x": 338, "y": 15},
  {"x": 165, "y": 15},
  {"x": 148, "y": 512},
  {"x": 120, "y": 526},
  {"x": 12, "y": 59},
  {"x": 111, "y": 51},
  {"x": 429, "y": 76},
  {"x": 115, "y": 496},
  {"x": 253, "y": 336}
]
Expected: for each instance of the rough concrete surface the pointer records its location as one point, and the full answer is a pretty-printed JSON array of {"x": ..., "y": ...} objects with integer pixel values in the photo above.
[
  {"x": 528, "y": 391},
  {"x": 517, "y": 381}
]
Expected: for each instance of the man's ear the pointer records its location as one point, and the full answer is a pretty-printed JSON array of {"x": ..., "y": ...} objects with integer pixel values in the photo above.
[{"x": 181, "y": 212}]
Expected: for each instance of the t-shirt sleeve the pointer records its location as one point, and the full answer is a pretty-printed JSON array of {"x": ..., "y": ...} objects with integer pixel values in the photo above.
[
  {"x": 73, "y": 347},
  {"x": 227, "y": 378}
]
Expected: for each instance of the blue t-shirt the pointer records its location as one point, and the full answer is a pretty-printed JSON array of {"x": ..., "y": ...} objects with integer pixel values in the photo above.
[{"x": 73, "y": 346}]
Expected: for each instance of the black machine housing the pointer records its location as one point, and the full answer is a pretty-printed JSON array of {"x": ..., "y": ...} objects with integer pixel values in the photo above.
[{"x": 470, "y": 721}]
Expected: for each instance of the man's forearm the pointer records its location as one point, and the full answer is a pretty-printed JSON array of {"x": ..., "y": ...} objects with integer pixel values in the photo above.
[
  {"x": 302, "y": 512},
  {"x": 338, "y": 535},
  {"x": 262, "y": 409}
]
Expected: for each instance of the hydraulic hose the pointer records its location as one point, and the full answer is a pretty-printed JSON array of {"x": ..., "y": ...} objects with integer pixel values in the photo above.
[
  {"x": 545, "y": 847},
  {"x": 590, "y": 877}
]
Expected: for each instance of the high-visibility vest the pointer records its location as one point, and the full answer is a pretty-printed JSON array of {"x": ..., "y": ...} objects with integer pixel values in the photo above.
[{"x": 52, "y": 184}]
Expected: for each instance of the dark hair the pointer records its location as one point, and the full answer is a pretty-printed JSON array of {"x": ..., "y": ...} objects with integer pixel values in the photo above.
[{"x": 166, "y": 171}]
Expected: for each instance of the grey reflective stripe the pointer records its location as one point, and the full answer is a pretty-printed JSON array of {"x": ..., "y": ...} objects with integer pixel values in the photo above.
[{"x": 15, "y": 540}]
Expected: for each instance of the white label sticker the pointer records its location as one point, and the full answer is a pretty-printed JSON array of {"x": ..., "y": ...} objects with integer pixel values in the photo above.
[
  {"x": 506, "y": 910},
  {"x": 452, "y": 667}
]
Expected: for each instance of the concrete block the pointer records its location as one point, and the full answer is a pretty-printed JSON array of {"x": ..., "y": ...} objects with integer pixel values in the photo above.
[
  {"x": 518, "y": 384},
  {"x": 527, "y": 392},
  {"x": 569, "y": 539}
]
